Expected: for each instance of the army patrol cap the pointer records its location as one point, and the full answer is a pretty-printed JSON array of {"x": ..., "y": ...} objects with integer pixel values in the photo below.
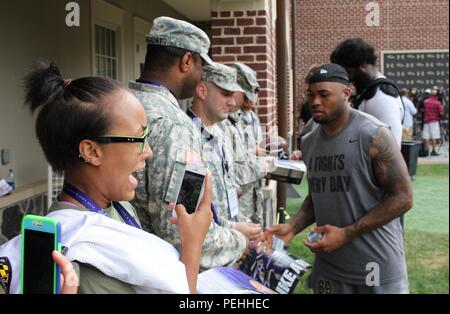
[
  {"x": 167, "y": 31},
  {"x": 222, "y": 75},
  {"x": 246, "y": 78}
]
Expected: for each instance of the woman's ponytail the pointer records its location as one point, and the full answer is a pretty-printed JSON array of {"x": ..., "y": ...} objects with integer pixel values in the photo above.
[{"x": 42, "y": 84}]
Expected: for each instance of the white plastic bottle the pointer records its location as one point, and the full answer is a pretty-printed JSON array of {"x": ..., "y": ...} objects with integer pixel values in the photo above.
[{"x": 10, "y": 180}]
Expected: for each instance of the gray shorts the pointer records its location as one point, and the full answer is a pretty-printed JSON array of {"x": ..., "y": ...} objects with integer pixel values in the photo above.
[{"x": 323, "y": 285}]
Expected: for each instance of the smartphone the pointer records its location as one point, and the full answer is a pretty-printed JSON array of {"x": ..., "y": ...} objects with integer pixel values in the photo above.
[
  {"x": 191, "y": 189},
  {"x": 313, "y": 236},
  {"x": 40, "y": 237}
]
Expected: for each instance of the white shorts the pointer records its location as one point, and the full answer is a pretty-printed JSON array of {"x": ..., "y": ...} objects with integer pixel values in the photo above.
[{"x": 431, "y": 131}]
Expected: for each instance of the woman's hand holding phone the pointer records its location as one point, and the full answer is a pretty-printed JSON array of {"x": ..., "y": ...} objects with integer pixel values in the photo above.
[
  {"x": 69, "y": 278},
  {"x": 192, "y": 229}
]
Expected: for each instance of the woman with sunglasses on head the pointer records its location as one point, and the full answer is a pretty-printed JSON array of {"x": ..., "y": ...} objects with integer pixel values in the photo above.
[{"x": 94, "y": 131}]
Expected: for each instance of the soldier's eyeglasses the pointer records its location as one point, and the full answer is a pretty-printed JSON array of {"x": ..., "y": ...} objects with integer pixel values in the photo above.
[{"x": 106, "y": 139}]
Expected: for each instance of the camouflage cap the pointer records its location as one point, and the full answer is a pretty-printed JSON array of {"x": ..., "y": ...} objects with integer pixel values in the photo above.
[
  {"x": 167, "y": 31},
  {"x": 246, "y": 78},
  {"x": 221, "y": 75}
]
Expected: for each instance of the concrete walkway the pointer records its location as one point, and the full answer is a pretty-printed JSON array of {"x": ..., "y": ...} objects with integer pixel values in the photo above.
[
  {"x": 433, "y": 160},
  {"x": 441, "y": 159}
]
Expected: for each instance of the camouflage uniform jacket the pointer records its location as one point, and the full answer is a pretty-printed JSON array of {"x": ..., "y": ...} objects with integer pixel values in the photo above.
[
  {"x": 219, "y": 163},
  {"x": 252, "y": 193},
  {"x": 246, "y": 166},
  {"x": 171, "y": 135},
  {"x": 252, "y": 129}
]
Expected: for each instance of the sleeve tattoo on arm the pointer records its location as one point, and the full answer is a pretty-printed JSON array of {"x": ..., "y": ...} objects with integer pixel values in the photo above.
[{"x": 392, "y": 176}]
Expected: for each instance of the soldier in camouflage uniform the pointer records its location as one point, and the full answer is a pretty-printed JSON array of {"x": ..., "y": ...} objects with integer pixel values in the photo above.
[
  {"x": 247, "y": 100},
  {"x": 252, "y": 193},
  {"x": 211, "y": 104},
  {"x": 173, "y": 68},
  {"x": 249, "y": 168}
]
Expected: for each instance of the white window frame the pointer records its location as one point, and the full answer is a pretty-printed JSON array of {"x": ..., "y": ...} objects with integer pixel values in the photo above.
[
  {"x": 116, "y": 58},
  {"x": 109, "y": 16},
  {"x": 141, "y": 27}
]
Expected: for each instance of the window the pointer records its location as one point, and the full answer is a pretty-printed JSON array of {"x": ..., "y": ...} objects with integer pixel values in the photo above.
[
  {"x": 106, "y": 52},
  {"x": 107, "y": 41}
]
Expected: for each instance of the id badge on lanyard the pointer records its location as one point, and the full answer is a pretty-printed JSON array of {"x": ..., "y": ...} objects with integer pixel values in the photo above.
[{"x": 233, "y": 202}]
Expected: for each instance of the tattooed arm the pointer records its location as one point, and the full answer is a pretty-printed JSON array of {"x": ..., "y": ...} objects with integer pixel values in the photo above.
[
  {"x": 391, "y": 174},
  {"x": 305, "y": 216}
]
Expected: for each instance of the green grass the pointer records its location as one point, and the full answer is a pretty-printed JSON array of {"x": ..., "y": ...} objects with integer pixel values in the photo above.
[
  {"x": 427, "y": 259},
  {"x": 430, "y": 209},
  {"x": 426, "y": 232},
  {"x": 439, "y": 170}
]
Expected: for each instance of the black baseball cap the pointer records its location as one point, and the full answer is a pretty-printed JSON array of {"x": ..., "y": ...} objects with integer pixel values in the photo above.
[{"x": 328, "y": 73}]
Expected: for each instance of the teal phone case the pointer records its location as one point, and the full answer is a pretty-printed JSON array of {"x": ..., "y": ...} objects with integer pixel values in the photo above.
[{"x": 42, "y": 224}]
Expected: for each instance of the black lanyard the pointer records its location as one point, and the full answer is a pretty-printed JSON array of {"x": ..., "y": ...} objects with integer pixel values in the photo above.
[
  {"x": 205, "y": 134},
  {"x": 90, "y": 204},
  {"x": 235, "y": 124},
  {"x": 210, "y": 138}
]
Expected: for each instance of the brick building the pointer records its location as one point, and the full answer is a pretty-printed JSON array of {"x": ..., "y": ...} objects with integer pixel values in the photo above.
[
  {"x": 244, "y": 36},
  {"x": 110, "y": 38},
  {"x": 409, "y": 25},
  {"x": 279, "y": 39}
]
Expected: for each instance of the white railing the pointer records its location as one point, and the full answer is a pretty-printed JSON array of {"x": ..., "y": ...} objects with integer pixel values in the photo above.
[{"x": 54, "y": 185}]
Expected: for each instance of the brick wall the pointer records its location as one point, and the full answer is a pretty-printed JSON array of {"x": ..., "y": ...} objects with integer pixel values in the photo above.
[
  {"x": 404, "y": 25},
  {"x": 247, "y": 37}
]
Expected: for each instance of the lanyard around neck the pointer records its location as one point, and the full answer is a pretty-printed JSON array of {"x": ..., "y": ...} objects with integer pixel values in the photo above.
[
  {"x": 151, "y": 83},
  {"x": 157, "y": 85},
  {"x": 90, "y": 204},
  {"x": 218, "y": 148}
]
